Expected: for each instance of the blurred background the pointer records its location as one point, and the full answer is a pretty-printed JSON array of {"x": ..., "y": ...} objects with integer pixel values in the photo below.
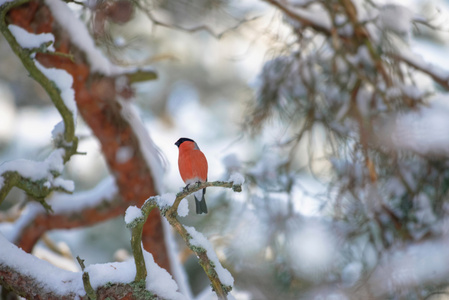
[{"x": 284, "y": 234}]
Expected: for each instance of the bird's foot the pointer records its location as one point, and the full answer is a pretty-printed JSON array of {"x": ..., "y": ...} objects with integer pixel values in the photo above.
[{"x": 186, "y": 188}]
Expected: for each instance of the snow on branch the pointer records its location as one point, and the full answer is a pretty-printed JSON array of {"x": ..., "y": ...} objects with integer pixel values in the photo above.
[
  {"x": 25, "y": 45},
  {"x": 80, "y": 69},
  {"x": 169, "y": 205},
  {"x": 413, "y": 60},
  {"x": 202, "y": 27},
  {"x": 38, "y": 179},
  {"x": 318, "y": 21},
  {"x": 151, "y": 153},
  {"x": 79, "y": 36},
  {"x": 384, "y": 112},
  {"x": 373, "y": 30},
  {"x": 29, "y": 40},
  {"x": 80, "y": 63},
  {"x": 407, "y": 268},
  {"x": 29, "y": 276},
  {"x": 199, "y": 241},
  {"x": 82, "y": 205},
  {"x": 35, "y": 276}
]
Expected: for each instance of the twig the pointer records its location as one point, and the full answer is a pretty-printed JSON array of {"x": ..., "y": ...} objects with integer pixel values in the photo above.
[
  {"x": 443, "y": 81},
  {"x": 141, "y": 75},
  {"x": 292, "y": 14},
  {"x": 37, "y": 189},
  {"x": 363, "y": 38},
  {"x": 199, "y": 186},
  {"x": 136, "y": 239},
  {"x": 86, "y": 281},
  {"x": 192, "y": 29}
]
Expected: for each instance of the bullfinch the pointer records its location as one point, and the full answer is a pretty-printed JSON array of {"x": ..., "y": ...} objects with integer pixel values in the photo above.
[{"x": 193, "y": 168}]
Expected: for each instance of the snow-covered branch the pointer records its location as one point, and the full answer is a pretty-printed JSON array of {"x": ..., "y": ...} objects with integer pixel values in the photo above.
[
  {"x": 355, "y": 81},
  {"x": 58, "y": 87},
  {"x": 38, "y": 179},
  {"x": 29, "y": 276},
  {"x": 68, "y": 211},
  {"x": 113, "y": 279},
  {"x": 438, "y": 75},
  {"x": 168, "y": 204},
  {"x": 56, "y": 48},
  {"x": 319, "y": 22},
  {"x": 198, "y": 28},
  {"x": 235, "y": 184}
]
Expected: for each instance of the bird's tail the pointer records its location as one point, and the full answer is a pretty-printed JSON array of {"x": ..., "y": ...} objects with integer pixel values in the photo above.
[{"x": 201, "y": 206}]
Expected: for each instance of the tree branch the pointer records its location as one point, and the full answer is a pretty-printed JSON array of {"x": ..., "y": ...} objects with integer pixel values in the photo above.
[
  {"x": 37, "y": 179},
  {"x": 38, "y": 186},
  {"x": 26, "y": 286},
  {"x": 36, "y": 74},
  {"x": 136, "y": 243},
  {"x": 199, "y": 186},
  {"x": 96, "y": 96},
  {"x": 34, "y": 278},
  {"x": 295, "y": 15},
  {"x": 69, "y": 211},
  {"x": 86, "y": 281},
  {"x": 438, "y": 78},
  {"x": 198, "y": 28},
  {"x": 32, "y": 288},
  {"x": 171, "y": 214}
]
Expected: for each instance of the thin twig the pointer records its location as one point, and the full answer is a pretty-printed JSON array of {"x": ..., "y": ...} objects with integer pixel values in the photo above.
[
  {"x": 195, "y": 28},
  {"x": 86, "y": 281}
]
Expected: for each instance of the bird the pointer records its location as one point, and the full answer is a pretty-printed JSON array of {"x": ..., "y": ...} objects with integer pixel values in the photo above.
[{"x": 192, "y": 166}]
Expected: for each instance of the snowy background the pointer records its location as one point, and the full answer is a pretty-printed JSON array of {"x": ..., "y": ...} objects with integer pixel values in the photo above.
[{"x": 282, "y": 234}]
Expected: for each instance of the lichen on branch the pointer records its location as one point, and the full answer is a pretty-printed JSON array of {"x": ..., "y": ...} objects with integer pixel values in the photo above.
[
  {"x": 219, "y": 277},
  {"x": 28, "y": 62},
  {"x": 37, "y": 178}
]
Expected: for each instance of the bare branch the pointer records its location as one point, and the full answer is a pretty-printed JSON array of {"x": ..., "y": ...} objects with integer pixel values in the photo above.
[
  {"x": 441, "y": 80},
  {"x": 195, "y": 28}
]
